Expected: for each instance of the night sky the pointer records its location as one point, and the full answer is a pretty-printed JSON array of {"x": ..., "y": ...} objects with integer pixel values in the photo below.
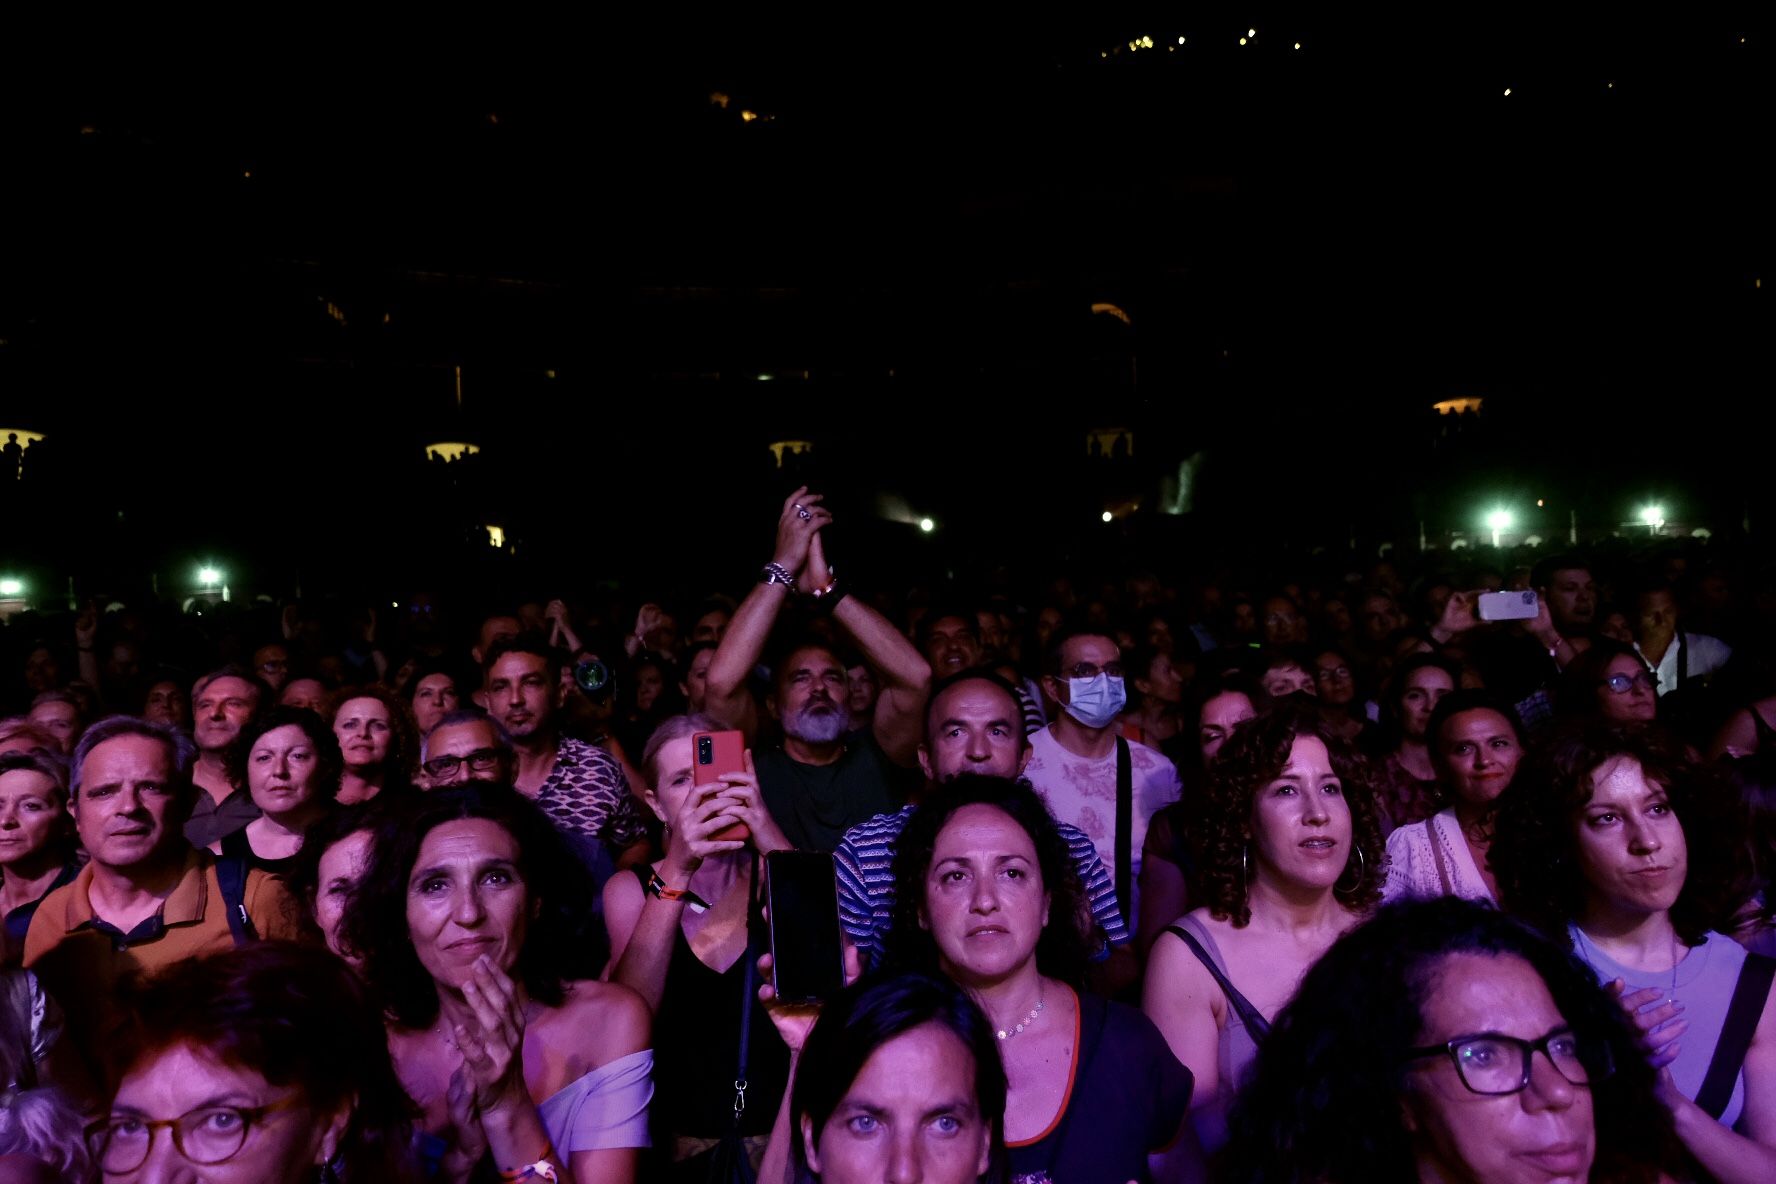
[{"x": 242, "y": 266}]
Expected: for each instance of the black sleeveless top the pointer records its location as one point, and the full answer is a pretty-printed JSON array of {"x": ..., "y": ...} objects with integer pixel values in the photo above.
[
  {"x": 236, "y": 846},
  {"x": 697, "y": 1049}
]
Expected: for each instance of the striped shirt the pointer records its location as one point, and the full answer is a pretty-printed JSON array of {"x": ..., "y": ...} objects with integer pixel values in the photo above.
[{"x": 864, "y": 864}]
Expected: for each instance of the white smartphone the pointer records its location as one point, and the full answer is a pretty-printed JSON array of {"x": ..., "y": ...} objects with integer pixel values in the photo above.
[{"x": 1506, "y": 606}]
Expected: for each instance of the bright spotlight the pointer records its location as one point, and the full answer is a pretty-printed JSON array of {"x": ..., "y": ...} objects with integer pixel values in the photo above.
[
  {"x": 1496, "y": 521},
  {"x": 209, "y": 576},
  {"x": 12, "y": 587},
  {"x": 1108, "y": 516},
  {"x": 927, "y": 525}
]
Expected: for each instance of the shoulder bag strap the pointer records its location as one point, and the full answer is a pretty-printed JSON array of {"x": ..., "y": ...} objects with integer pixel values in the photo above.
[
  {"x": 1743, "y": 1013},
  {"x": 1125, "y": 828},
  {"x": 1256, "y": 1025},
  {"x": 1436, "y": 837},
  {"x": 231, "y": 878}
]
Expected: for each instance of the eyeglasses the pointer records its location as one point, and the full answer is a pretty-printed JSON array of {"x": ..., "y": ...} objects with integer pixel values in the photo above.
[
  {"x": 1087, "y": 670},
  {"x": 1335, "y": 673},
  {"x": 208, "y": 1135},
  {"x": 1494, "y": 1064},
  {"x": 1621, "y": 684},
  {"x": 481, "y": 760}
]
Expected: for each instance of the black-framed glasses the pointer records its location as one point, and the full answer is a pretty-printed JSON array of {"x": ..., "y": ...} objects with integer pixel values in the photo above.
[
  {"x": 1087, "y": 670},
  {"x": 1494, "y": 1064},
  {"x": 481, "y": 760},
  {"x": 1621, "y": 684},
  {"x": 207, "y": 1136}
]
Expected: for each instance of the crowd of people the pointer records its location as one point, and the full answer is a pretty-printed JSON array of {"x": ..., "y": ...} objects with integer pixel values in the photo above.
[{"x": 1254, "y": 877}]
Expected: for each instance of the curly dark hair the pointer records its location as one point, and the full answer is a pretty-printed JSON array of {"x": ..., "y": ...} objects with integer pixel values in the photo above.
[
  {"x": 1323, "y": 1102},
  {"x": 1064, "y": 948},
  {"x": 557, "y": 949},
  {"x": 326, "y": 746},
  {"x": 1535, "y": 854},
  {"x": 1253, "y": 757},
  {"x": 296, "y": 1016}
]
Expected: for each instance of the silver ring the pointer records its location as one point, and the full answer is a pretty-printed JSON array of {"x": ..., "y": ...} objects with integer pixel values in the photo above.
[{"x": 802, "y": 514}]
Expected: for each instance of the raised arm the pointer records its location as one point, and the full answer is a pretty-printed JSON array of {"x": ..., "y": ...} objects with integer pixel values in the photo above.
[
  {"x": 903, "y": 671},
  {"x": 743, "y": 644}
]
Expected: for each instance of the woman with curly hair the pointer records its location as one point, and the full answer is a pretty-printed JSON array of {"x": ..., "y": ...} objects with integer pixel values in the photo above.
[
  {"x": 471, "y": 920},
  {"x": 1476, "y": 743},
  {"x": 1445, "y": 1041},
  {"x": 990, "y": 901},
  {"x": 1292, "y": 858},
  {"x": 289, "y": 762},
  {"x": 1637, "y": 856}
]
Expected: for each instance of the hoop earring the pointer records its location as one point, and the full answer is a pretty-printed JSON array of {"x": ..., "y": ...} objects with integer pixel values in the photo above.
[{"x": 1362, "y": 871}]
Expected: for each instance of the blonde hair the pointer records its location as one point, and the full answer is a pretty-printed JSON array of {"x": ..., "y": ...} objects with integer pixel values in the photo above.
[{"x": 42, "y": 1124}]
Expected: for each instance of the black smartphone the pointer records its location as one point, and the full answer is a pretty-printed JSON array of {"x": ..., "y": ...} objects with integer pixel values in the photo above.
[{"x": 802, "y": 898}]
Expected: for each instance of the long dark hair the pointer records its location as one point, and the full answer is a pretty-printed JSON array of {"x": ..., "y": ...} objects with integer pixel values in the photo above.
[
  {"x": 1535, "y": 853},
  {"x": 556, "y": 950},
  {"x": 304, "y": 874},
  {"x": 867, "y": 1015},
  {"x": 1253, "y": 757},
  {"x": 1063, "y": 949},
  {"x": 1323, "y": 1103},
  {"x": 296, "y": 1016}
]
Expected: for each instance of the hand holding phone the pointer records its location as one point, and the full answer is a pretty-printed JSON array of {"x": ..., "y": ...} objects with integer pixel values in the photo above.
[
  {"x": 1506, "y": 606},
  {"x": 802, "y": 909},
  {"x": 714, "y": 754}
]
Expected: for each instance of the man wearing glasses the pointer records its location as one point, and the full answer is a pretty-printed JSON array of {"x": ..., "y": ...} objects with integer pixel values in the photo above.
[
  {"x": 465, "y": 746},
  {"x": 1091, "y": 777}
]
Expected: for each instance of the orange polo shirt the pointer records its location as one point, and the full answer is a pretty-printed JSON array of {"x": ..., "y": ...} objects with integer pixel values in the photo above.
[{"x": 79, "y": 959}]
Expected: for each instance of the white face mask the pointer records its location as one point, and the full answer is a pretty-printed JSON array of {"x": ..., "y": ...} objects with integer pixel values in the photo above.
[{"x": 1097, "y": 701}]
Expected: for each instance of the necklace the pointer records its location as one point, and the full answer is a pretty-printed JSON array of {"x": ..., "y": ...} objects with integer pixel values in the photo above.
[
  {"x": 1585, "y": 939},
  {"x": 1008, "y": 1033}
]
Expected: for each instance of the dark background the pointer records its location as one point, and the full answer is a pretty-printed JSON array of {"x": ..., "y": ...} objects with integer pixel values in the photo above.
[{"x": 241, "y": 266}]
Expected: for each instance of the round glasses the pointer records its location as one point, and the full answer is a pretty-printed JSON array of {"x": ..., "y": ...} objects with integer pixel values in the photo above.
[
  {"x": 206, "y": 1136},
  {"x": 1494, "y": 1064}
]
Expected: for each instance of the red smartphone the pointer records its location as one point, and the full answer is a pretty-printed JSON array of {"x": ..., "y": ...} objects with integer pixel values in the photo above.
[{"x": 715, "y": 753}]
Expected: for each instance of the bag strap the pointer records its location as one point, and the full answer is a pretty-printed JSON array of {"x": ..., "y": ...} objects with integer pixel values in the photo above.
[
  {"x": 1256, "y": 1025},
  {"x": 1743, "y": 1013},
  {"x": 748, "y": 997},
  {"x": 1125, "y": 828},
  {"x": 231, "y": 878},
  {"x": 1436, "y": 836}
]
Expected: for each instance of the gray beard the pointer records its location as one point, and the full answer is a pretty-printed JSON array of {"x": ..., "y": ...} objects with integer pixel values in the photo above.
[{"x": 812, "y": 726}]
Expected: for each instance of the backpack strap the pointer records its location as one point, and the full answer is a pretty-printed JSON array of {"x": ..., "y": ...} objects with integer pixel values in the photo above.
[
  {"x": 231, "y": 878},
  {"x": 1743, "y": 1013},
  {"x": 1125, "y": 828},
  {"x": 1250, "y": 1016}
]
